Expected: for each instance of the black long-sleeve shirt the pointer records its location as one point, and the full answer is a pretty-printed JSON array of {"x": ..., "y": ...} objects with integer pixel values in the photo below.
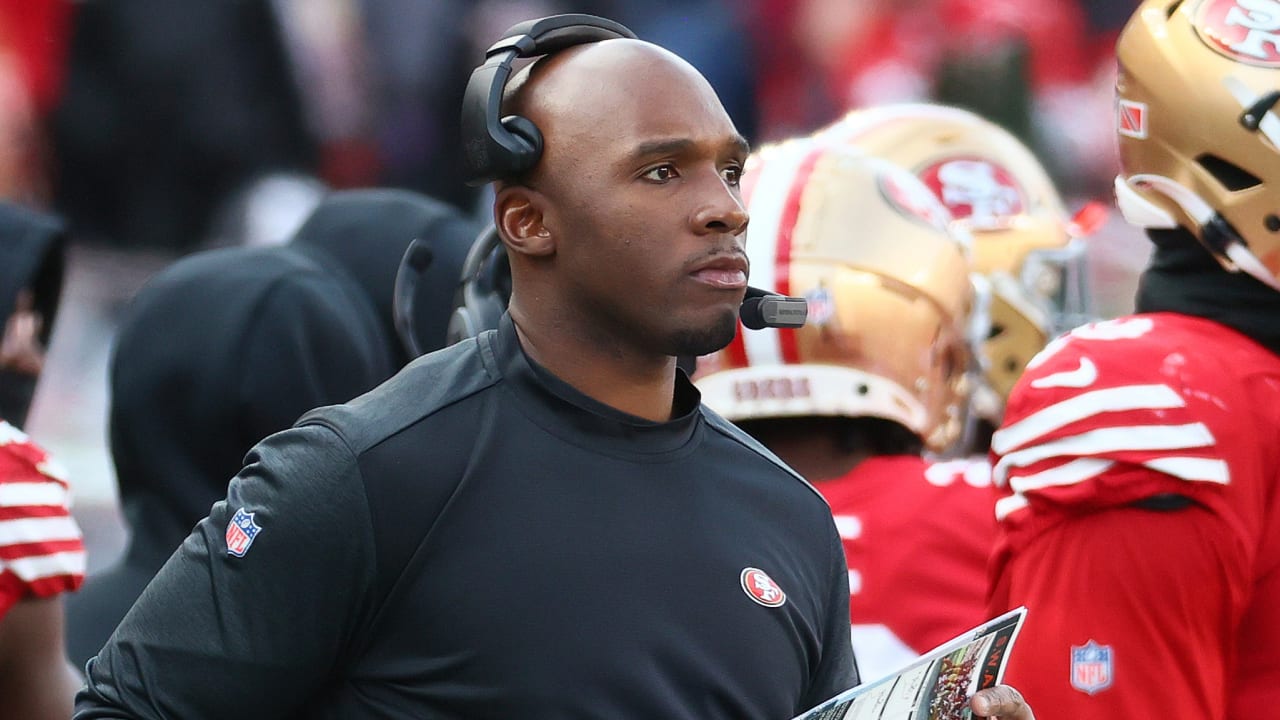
[{"x": 477, "y": 539}]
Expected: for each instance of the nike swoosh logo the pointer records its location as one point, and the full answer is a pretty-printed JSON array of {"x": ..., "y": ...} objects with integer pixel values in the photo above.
[{"x": 1083, "y": 376}]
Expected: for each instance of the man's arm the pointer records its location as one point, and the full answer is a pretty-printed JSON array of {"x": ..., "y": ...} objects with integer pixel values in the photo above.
[
  {"x": 1129, "y": 613},
  {"x": 838, "y": 670},
  {"x": 1116, "y": 531},
  {"x": 258, "y": 606},
  {"x": 36, "y": 680}
]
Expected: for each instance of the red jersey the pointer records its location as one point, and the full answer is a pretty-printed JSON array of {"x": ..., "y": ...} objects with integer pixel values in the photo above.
[
  {"x": 916, "y": 537},
  {"x": 41, "y": 549},
  {"x": 1143, "y": 610}
]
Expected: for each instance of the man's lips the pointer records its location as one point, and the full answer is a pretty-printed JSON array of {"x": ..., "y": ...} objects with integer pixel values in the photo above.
[
  {"x": 729, "y": 273},
  {"x": 728, "y": 279}
]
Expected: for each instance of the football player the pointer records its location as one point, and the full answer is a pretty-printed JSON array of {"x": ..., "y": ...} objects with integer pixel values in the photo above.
[
  {"x": 1025, "y": 244},
  {"x": 41, "y": 548},
  {"x": 876, "y": 376},
  {"x": 1141, "y": 520}
]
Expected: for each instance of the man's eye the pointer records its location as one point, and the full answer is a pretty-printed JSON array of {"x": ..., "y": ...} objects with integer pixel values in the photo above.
[
  {"x": 662, "y": 173},
  {"x": 732, "y": 175}
]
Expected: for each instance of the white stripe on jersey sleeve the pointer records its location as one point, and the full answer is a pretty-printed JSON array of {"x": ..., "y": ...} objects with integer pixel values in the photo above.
[
  {"x": 36, "y": 530},
  {"x": 1104, "y": 440},
  {"x": 54, "y": 469},
  {"x": 21, "y": 494},
  {"x": 1006, "y": 506},
  {"x": 36, "y": 567},
  {"x": 1193, "y": 468},
  {"x": 1076, "y": 471},
  {"x": 11, "y": 434},
  {"x": 1058, "y": 415}
]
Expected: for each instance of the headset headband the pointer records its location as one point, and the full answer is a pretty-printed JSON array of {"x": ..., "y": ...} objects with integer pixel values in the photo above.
[{"x": 497, "y": 147}]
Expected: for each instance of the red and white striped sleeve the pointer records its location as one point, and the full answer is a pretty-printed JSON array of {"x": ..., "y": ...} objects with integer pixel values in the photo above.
[
  {"x": 41, "y": 548},
  {"x": 1110, "y": 414}
]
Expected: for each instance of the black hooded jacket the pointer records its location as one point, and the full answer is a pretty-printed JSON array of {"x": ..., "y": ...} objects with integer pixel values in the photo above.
[
  {"x": 32, "y": 247},
  {"x": 228, "y": 346}
]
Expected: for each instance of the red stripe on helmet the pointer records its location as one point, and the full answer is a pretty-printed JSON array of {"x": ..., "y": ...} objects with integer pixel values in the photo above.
[{"x": 782, "y": 257}]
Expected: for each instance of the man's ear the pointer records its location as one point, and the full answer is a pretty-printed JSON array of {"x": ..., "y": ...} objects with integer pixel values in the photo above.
[{"x": 521, "y": 216}]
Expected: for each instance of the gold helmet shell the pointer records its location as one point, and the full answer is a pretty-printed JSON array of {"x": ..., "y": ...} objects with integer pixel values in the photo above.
[
  {"x": 1024, "y": 241},
  {"x": 887, "y": 280},
  {"x": 1198, "y": 130}
]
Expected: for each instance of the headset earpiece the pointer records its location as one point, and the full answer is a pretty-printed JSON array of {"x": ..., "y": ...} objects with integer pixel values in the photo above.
[
  {"x": 495, "y": 148},
  {"x": 523, "y": 129}
]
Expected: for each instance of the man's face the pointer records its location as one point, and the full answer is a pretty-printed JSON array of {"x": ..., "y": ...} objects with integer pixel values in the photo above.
[
  {"x": 20, "y": 348},
  {"x": 21, "y": 359},
  {"x": 643, "y": 170}
]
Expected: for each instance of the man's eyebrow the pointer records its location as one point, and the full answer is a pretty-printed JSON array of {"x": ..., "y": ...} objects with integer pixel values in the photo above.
[{"x": 676, "y": 146}]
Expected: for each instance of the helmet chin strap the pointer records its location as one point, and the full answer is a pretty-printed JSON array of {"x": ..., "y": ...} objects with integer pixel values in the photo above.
[{"x": 1233, "y": 253}]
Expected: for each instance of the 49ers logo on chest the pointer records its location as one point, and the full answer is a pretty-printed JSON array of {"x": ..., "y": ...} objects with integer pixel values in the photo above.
[
  {"x": 1247, "y": 31},
  {"x": 761, "y": 588},
  {"x": 974, "y": 189}
]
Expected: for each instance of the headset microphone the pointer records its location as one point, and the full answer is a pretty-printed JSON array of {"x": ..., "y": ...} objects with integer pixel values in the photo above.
[{"x": 761, "y": 309}]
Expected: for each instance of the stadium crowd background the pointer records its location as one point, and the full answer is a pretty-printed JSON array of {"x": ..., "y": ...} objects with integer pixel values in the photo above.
[{"x": 160, "y": 127}]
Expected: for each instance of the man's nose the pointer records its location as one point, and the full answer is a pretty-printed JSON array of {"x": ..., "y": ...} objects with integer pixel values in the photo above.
[{"x": 721, "y": 211}]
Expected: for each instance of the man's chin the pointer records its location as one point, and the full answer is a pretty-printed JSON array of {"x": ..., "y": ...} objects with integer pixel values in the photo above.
[{"x": 706, "y": 339}]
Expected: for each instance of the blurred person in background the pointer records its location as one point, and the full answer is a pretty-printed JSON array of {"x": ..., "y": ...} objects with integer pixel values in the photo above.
[
  {"x": 876, "y": 376},
  {"x": 42, "y": 553},
  {"x": 32, "y": 47},
  {"x": 167, "y": 110},
  {"x": 1140, "y": 516},
  {"x": 227, "y": 346},
  {"x": 1027, "y": 248},
  {"x": 1036, "y": 68}
]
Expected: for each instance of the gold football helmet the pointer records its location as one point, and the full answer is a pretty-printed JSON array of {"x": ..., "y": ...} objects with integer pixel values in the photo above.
[
  {"x": 1024, "y": 242},
  {"x": 887, "y": 281},
  {"x": 1196, "y": 92}
]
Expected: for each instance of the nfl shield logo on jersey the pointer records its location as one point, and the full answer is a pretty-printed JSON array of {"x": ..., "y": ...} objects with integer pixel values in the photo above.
[
  {"x": 1091, "y": 668},
  {"x": 240, "y": 533}
]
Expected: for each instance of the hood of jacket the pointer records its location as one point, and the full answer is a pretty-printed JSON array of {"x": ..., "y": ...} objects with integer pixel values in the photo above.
[
  {"x": 227, "y": 346},
  {"x": 32, "y": 257}
]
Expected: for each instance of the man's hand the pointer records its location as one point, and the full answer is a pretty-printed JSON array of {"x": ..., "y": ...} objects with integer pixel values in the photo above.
[{"x": 1001, "y": 702}]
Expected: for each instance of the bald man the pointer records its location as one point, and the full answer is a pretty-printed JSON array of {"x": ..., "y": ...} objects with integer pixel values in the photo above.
[{"x": 540, "y": 522}]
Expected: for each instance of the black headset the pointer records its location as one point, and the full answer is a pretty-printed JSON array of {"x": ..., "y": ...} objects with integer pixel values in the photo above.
[
  {"x": 484, "y": 290},
  {"x": 417, "y": 258},
  {"x": 496, "y": 148}
]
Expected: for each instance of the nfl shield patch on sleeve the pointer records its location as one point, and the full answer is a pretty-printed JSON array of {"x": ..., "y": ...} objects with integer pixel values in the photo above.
[
  {"x": 240, "y": 533},
  {"x": 1091, "y": 667}
]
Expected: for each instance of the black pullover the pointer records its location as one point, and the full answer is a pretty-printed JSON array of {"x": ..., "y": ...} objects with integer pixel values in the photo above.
[{"x": 476, "y": 539}]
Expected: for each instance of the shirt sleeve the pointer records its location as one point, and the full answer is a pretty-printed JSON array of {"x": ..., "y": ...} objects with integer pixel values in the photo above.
[
  {"x": 1130, "y": 613},
  {"x": 41, "y": 547},
  {"x": 836, "y": 671},
  {"x": 255, "y": 608}
]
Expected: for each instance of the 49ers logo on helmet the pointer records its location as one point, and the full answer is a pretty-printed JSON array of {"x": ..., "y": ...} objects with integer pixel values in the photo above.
[
  {"x": 1244, "y": 30},
  {"x": 906, "y": 195},
  {"x": 974, "y": 189}
]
